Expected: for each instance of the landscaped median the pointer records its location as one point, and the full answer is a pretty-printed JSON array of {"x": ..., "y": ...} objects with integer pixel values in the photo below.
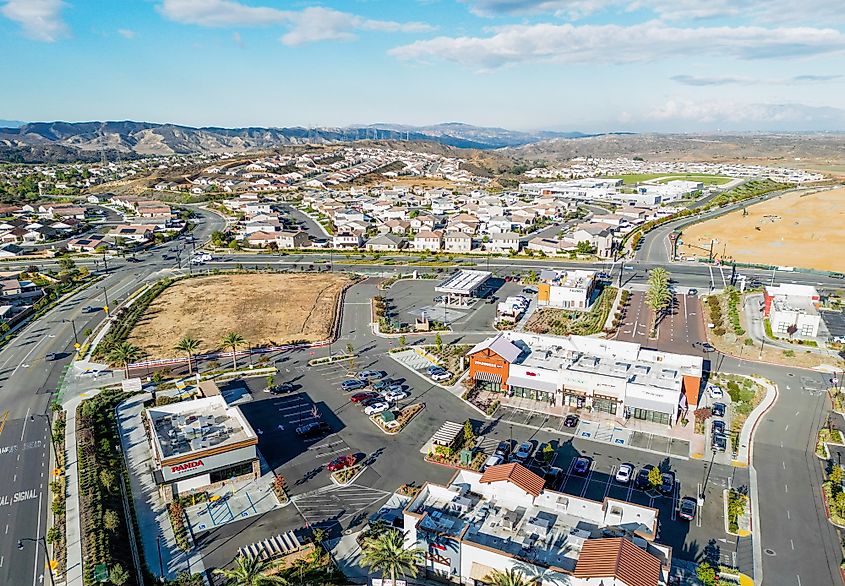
[
  {"x": 834, "y": 495},
  {"x": 737, "y": 512},
  {"x": 346, "y": 476},
  {"x": 391, "y": 423},
  {"x": 827, "y": 435}
]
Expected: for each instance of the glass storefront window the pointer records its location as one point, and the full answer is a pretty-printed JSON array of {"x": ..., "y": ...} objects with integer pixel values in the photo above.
[
  {"x": 648, "y": 415},
  {"x": 605, "y": 405}
]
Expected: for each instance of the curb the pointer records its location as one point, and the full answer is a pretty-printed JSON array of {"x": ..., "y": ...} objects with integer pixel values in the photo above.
[{"x": 348, "y": 482}]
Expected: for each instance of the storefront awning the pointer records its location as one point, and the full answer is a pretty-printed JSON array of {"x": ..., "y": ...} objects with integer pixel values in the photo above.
[
  {"x": 488, "y": 377},
  {"x": 651, "y": 405},
  {"x": 530, "y": 382}
]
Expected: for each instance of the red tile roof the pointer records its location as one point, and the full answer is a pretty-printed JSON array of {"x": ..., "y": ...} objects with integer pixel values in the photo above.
[
  {"x": 517, "y": 474},
  {"x": 619, "y": 558}
]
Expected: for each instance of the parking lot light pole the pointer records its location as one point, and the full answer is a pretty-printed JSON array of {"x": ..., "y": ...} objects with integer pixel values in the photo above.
[
  {"x": 43, "y": 542},
  {"x": 706, "y": 474}
]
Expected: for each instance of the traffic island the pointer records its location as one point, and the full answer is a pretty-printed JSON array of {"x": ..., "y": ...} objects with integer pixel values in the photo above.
[
  {"x": 737, "y": 513},
  {"x": 391, "y": 423},
  {"x": 346, "y": 476},
  {"x": 834, "y": 496},
  {"x": 827, "y": 436}
]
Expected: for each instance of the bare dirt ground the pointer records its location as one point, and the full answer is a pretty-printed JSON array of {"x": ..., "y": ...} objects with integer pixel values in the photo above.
[
  {"x": 791, "y": 230},
  {"x": 266, "y": 309}
]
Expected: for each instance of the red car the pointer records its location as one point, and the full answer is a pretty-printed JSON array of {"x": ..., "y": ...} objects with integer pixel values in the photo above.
[
  {"x": 358, "y": 397},
  {"x": 341, "y": 462}
]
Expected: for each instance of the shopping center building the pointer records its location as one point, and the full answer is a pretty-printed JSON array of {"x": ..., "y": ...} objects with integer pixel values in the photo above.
[
  {"x": 618, "y": 378},
  {"x": 200, "y": 443}
]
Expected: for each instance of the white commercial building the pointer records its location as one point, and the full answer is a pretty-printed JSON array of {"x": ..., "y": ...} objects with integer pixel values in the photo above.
[
  {"x": 565, "y": 289},
  {"x": 792, "y": 310},
  {"x": 200, "y": 443},
  {"x": 504, "y": 519}
]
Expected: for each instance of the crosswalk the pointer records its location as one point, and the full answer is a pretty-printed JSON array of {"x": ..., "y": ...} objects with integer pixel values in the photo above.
[{"x": 337, "y": 504}]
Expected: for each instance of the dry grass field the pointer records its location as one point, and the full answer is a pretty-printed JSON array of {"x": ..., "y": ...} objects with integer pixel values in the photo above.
[
  {"x": 264, "y": 309},
  {"x": 791, "y": 230}
]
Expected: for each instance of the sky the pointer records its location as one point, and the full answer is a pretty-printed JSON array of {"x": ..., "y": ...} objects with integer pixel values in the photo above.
[{"x": 572, "y": 65}]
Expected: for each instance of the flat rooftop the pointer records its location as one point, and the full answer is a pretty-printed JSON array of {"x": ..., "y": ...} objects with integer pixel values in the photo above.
[
  {"x": 464, "y": 282},
  {"x": 571, "y": 279},
  {"x": 192, "y": 426},
  {"x": 795, "y": 303}
]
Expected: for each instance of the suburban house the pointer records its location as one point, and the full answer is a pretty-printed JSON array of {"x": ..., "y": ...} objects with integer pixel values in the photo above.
[
  {"x": 428, "y": 240},
  {"x": 455, "y": 241},
  {"x": 505, "y": 241},
  {"x": 600, "y": 237},
  {"x": 133, "y": 233},
  {"x": 350, "y": 239},
  {"x": 386, "y": 242},
  {"x": 86, "y": 244},
  {"x": 292, "y": 239}
]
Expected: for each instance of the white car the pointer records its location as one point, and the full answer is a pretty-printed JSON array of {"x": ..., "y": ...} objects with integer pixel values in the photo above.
[
  {"x": 441, "y": 376},
  {"x": 624, "y": 474},
  {"x": 715, "y": 392},
  {"x": 376, "y": 408},
  {"x": 491, "y": 461},
  {"x": 394, "y": 395}
]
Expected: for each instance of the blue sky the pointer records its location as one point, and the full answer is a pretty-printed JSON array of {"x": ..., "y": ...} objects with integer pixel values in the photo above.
[{"x": 589, "y": 65}]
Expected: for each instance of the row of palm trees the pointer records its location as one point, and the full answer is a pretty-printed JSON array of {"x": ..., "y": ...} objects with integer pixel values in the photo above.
[
  {"x": 659, "y": 296},
  {"x": 383, "y": 552},
  {"x": 126, "y": 353}
]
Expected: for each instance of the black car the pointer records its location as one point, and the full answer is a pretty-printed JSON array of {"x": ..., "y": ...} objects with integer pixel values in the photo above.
[
  {"x": 718, "y": 409},
  {"x": 719, "y": 443},
  {"x": 667, "y": 484},
  {"x": 51, "y": 356},
  {"x": 313, "y": 429},
  {"x": 570, "y": 421},
  {"x": 552, "y": 477},
  {"x": 718, "y": 427},
  {"x": 280, "y": 389},
  {"x": 642, "y": 482},
  {"x": 503, "y": 449},
  {"x": 687, "y": 508}
]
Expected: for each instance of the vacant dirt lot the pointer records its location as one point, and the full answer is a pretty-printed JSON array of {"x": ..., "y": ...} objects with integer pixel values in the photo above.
[
  {"x": 791, "y": 230},
  {"x": 264, "y": 309}
]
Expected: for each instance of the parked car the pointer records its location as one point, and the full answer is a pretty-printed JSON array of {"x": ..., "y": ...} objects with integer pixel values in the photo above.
[
  {"x": 718, "y": 427},
  {"x": 315, "y": 428},
  {"x": 523, "y": 452},
  {"x": 540, "y": 454},
  {"x": 381, "y": 385},
  {"x": 376, "y": 398},
  {"x": 693, "y": 292},
  {"x": 341, "y": 462},
  {"x": 396, "y": 387},
  {"x": 552, "y": 477},
  {"x": 438, "y": 299},
  {"x": 570, "y": 421},
  {"x": 642, "y": 482},
  {"x": 375, "y": 408},
  {"x": 352, "y": 385},
  {"x": 393, "y": 396},
  {"x": 280, "y": 389},
  {"x": 719, "y": 443},
  {"x": 441, "y": 376},
  {"x": 582, "y": 466},
  {"x": 624, "y": 473},
  {"x": 360, "y": 397},
  {"x": 503, "y": 449},
  {"x": 708, "y": 347},
  {"x": 529, "y": 290},
  {"x": 90, "y": 309},
  {"x": 715, "y": 392},
  {"x": 667, "y": 484},
  {"x": 371, "y": 375},
  {"x": 687, "y": 508},
  {"x": 493, "y": 460},
  {"x": 718, "y": 409},
  {"x": 434, "y": 369}
]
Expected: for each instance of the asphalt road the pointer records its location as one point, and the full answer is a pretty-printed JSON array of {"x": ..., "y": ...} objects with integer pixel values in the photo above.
[{"x": 27, "y": 385}]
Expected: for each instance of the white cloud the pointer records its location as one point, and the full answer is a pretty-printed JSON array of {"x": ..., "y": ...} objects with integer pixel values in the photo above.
[
  {"x": 696, "y": 80},
  {"x": 324, "y": 24},
  {"x": 127, "y": 33},
  {"x": 40, "y": 19},
  {"x": 219, "y": 13},
  {"x": 567, "y": 8},
  {"x": 306, "y": 26},
  {"x": 722, "y": 114},
  {"x": 236, "y": 37},
  {"x": 650, "y": 41}
]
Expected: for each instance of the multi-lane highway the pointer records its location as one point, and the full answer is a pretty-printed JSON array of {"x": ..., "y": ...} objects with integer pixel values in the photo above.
[{"x": 791, "y": 523}]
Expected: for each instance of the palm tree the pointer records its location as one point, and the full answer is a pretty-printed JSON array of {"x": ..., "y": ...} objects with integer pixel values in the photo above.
[
  {"x": 188, "y": 345},
  {"x": 386, "y": 553},
  {"x": 123, "y": 354},
  {"x": 510, "y": 577},
  {"x": 658, "y": 295},
  {"x": 248, "y": 571},
  {"x": 233, "y": 340}
]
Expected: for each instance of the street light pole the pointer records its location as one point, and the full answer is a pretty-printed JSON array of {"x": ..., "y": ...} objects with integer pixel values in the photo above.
[
  {"x": 43, "y": 542},
  {"x": 73, "y": 325},
  {"x": 106, "y": 297}
]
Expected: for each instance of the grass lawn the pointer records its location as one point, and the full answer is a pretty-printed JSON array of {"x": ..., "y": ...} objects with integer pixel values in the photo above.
[{"x": 632, "y": 178}]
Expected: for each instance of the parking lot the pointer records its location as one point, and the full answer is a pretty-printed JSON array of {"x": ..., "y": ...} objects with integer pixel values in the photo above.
[{"x": 677, "y": 331}]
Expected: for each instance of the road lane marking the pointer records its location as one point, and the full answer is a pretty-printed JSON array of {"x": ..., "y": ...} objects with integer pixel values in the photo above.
[
  {"x": 37, "y": 536},
  {"x": 788, "y": 516},
  {"x": 25, "y": 419},
  {"x": 792, "y": 543},
  {"x": 787, "y": 428},
  {"x": 784, "y": 465},
  {"x": 785, "y": 488}
]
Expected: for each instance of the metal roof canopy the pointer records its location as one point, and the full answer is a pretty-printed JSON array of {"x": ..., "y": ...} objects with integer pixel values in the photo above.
[
  {"x": 464, "y": 282},
  {"x": 447, "y": 434}
]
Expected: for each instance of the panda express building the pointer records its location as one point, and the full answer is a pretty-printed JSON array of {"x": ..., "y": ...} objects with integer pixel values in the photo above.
[
  {"x": 618, "y": 378},
  {"x": 200, "y": 443}
]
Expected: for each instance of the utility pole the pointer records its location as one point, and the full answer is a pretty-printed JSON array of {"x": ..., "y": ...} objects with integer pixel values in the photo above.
[
  {"x": 106, "y": 297},
  {"x": 710, "y": 257}
]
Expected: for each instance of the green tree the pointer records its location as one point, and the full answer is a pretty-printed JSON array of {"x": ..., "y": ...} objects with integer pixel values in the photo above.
[
  {"x": 658, "y": 296},
  {"x": 386, "y": 553},
  {"x": 706, "y": 574},
  {"x": 584, "y": 247},
  {"x": 111, "y": 521},
  {"x": 66, "y": 264},
  {"x": 438, "y": 342},
  {"x": 118, "y": 576},
  {"x": 189, "y": 346},
  {"x": 469, "y": 433},
  {"x": 248, "y": 571},
  {"x": 350, "y": 349},
  {"x": 402, "y": 341},
  {"x": 124, "y": 354},
  {"x": 233, "y": 340},
  {"x": 510, "y": 577},
  {"x": 655, "y": 478},
  {"x": 837, "y": 474},
  {"x": 107, "y": 479}
]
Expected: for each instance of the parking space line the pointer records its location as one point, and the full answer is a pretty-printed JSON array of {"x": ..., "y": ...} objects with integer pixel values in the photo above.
[
  {"x": 589, "y": 478},
  {"x": 698, "y": 509},
  {"x": 610, "y": 478},
  {"x": 675, "y": 490}
]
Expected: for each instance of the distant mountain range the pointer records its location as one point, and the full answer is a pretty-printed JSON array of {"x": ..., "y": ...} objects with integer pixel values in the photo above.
[{"x": 85, "y": 141}]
